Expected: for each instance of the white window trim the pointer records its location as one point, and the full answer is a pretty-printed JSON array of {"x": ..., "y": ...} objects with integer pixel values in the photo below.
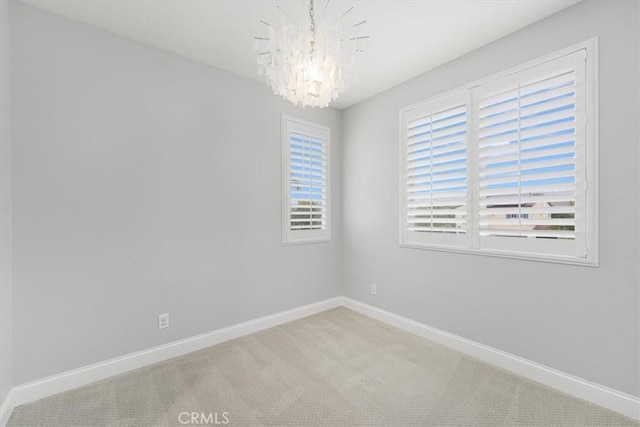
[
  {"x": 592, "y": 150},
  {"x": 310, "y": 236}
]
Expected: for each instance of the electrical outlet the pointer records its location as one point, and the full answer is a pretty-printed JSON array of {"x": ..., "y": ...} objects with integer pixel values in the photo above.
[
  {"x": 374, "y": 290},
  {"x": 163, "y": 321}
]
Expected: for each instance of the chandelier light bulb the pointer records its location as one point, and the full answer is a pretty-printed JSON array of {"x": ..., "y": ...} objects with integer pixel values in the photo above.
[{"x": 313, "y": 61}]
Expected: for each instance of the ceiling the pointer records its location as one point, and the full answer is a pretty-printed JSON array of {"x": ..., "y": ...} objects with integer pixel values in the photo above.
[{"x": 407, "y": 37}]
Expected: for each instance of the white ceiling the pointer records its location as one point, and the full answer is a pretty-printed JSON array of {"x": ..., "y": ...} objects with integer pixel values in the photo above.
[{"x": 407, "y": 37}]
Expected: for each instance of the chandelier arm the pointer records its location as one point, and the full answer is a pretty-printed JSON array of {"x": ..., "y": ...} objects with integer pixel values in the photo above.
[
  {"x": 344, "y": 14},
  {"x": 285, "y": 14}
]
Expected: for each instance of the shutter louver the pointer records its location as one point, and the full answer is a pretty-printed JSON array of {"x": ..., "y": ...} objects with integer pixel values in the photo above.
[
  {"x": 307, "y": 182},
  {"x": 527, "y": 159},
  {"x": 436, "y": 172}
]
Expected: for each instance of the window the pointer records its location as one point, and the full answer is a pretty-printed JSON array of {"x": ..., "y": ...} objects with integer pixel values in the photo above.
[
  {"x": 506, "y": 166},
  {"x": 305, "y": 181}
]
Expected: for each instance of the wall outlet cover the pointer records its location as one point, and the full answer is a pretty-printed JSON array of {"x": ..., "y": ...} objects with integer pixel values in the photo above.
[{"x": 163, "y": 321}]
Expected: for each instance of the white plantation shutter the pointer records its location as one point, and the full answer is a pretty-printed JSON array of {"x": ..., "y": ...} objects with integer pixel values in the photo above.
[
  {"x": 531, "y": 182},
  {"x": 507, "y": 166},
  {"x": 305, "y": 182},
  {"x": 435, "y": 171}
]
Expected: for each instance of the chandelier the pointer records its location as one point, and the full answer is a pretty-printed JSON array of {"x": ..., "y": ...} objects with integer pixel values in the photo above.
[{"x": 311, "y": 62}]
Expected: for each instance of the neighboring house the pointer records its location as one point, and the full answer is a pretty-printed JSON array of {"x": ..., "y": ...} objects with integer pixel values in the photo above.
[
  {"x": 509, "y": 220},
  {"x": 512, "y": 212},
  {"x": 534, "y": 218}
]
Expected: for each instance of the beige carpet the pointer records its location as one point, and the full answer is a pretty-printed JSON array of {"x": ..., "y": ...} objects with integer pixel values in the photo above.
[{"x": 337, "y": 368}]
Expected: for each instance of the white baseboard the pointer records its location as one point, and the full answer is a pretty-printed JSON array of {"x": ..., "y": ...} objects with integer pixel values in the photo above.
[
  {"x": 614, "y": 400},
  {"x": 6, "y": 408},
  {"x": 39, "y": 389},
  {"x": 602, "y": 396}
]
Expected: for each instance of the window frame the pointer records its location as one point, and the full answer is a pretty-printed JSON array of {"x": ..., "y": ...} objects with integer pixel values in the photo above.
[
  {"x": 300, "y": 237},
  {"x": 591, "y": 163}
]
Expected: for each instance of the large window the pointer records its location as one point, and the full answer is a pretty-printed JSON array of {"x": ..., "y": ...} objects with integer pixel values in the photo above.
[
  {"x": 305, "y": 180},
  {"x": 506, "y": 166}
]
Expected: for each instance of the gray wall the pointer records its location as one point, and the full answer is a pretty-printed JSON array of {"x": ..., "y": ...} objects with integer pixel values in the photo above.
[
  {"x": 145, "y": 183},
  {"x": 6, "y": 350},
  {"x": 580, "y": 320}
]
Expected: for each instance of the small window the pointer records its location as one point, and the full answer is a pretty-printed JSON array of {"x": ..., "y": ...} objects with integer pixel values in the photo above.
[
  {"x": 305, "y": 180},
  {"x": 506, "y": 166}
]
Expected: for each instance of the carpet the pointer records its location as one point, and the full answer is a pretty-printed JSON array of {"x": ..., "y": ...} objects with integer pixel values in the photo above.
[{"x": 337, "y": 368}]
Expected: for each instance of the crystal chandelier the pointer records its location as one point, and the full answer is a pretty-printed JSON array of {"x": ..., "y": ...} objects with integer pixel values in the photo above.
[{"x": 312, "y": 62}]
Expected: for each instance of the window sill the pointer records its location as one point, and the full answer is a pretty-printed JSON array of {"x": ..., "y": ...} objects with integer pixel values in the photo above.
[
  {"x": 557, "y": 259},
  {"x": 306, "y": 241}
]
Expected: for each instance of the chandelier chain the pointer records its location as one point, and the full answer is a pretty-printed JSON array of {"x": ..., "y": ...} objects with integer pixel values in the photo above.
[{"x": 311, "y": 14}]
